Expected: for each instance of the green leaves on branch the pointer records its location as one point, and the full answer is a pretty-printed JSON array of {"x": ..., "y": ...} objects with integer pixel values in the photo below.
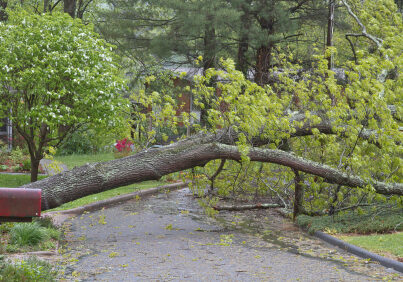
[{"x": 56, "y": 75}]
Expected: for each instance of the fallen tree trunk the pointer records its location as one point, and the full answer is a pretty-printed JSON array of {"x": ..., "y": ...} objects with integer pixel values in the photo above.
[{"x": 152, "y": 164}]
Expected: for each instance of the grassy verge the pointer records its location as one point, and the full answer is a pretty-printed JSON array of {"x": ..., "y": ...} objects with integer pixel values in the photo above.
[
  {"x": 12, "y": 181},
  {"x": 31, "y": 269},
  {"x": 381, "y": 220},
  {"x": 380, "y": 243},
  {"x": 79, "y": 160},
  {"x": 18, "y": 180},
  {"x": 108, "y": 194},
  {"x": 39, "y": 235}
]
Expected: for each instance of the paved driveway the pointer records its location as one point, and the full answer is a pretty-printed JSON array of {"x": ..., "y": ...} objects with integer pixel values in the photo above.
[{"x": 168, "y": 238}]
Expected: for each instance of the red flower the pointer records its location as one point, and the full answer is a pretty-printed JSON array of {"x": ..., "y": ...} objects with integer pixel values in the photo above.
[{"x": 123, "y": 145}]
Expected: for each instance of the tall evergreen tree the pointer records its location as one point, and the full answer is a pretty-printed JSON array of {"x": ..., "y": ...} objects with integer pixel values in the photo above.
[{"x": 177, "y": 32}]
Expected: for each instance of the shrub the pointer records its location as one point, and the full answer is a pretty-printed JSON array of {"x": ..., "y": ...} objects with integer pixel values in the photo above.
[
  {"x": 26, "y": 165},
  {"x": 78, "y": 143},
  {"x": 17, "y": 156},
  {"x": 12, "y": 248},
  {"x": 124, "y": 147},
  {"x": 52, "y": 233},
  {"x": 3, "y": 152},
  {"x": 6, "y": 227},
  {"x": 44, "y": 221},
  {"x": 375, "y": 220},
  {"x": 27, "y": 234},
  {"x": 32, "y": 269},
  {"x": 17, "y": 168}
]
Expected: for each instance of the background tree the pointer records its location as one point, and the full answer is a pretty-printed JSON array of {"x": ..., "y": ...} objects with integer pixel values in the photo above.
[
  {"x": 3, "y": 13},
  {"x": 57, "y": 75}
]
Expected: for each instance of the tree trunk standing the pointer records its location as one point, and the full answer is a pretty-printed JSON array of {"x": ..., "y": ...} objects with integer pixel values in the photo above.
[
  {"x": 3, "y": 14},
  {"x": 152, "y": 164},
  {"x": 46, "y": 6},
  {"x": 263, "y": 59},
  {"x": 209, "y": 55},
  {"x": 70, "y": 7},
  {"x": 34, "y": 169},
  {"x": 209, "y": 59},
  {"x": 242, "y": 63},
  {"x": 243, "y": 45},
  {"x": 299, "y": 195},
  {"x": 330, "y": 30}
]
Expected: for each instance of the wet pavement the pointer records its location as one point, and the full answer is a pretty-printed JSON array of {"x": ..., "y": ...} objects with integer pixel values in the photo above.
[{"x": 168, "y": 237}]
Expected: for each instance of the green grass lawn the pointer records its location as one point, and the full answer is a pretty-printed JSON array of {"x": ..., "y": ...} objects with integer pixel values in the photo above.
[
  {"x": 379, "y": 243},
  {"x": 79, "y": 160},
  {"x": 71, "y": 161},
  {"x": 108, "y": 194},
  {"x": 12, "y": 181}
]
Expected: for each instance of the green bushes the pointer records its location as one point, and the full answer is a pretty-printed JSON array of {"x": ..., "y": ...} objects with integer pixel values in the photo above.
[
  {"x": 39, "y": 235},
  {"x": 24, "y": 234},
  {"x": 15, "y": 161},
  {"x": 90, "y": 140},
  {"x": 31, "y": 234},
  {"x": 31, "y": 269},
  {"x": 377, "y": 220},
  {"x": 78, "y": 143},
  {"x": 26, "y": 165}
]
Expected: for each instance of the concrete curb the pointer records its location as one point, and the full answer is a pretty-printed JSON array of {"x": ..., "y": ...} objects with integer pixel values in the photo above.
[
  {"x": 396, "y": 265},
  {"x": 117, "y": 199}
]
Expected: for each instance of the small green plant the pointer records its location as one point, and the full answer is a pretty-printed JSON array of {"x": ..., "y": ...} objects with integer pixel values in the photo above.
[
  {"x": 52, "y": 233},
  {"x": 17, "y": 168},
  {"x": 44, "y": 221},
  {"x": 55, "y": 165},
  {"x": 226, "y": 240},
  {"x": 49, "y": 245},
  {"x": 6, "y": 227},
  {"x": 26, "y": 165},
  {"x": 31, "y": 269},
  {"x": 17, "y": 156},
  {"x": 10, "y": 248},
  {"x": 113, "y": 254},
  {"x": 24, "y": 234},
  {"x": 102, "y": 219}
]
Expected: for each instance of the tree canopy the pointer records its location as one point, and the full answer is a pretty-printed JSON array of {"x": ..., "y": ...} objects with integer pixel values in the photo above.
[
  {"x": 56, "y": 75},
  {"x": 280, "y": 119}
]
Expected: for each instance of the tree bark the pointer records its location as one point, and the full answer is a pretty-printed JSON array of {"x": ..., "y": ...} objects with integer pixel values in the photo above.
[
  {"x": 299, "y": 195},
  {"x": 209, "y": 53},
  {"x": 263, "y": 60},
  {"x": 330, "y": 29},
  {"x": 34, "y": 169},
  {"x": 3, "y": 14},
  {"x": 152, "y": 164},
  {"x": 243, "y": 45},
  {"x": 70, "y": 7}
]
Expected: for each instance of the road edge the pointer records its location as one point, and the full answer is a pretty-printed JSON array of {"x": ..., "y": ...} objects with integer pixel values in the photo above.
[
  {"x": 60, "y": 216},
  {"x": 387, "y": 262},
  {"x": 353, "y": 249}
]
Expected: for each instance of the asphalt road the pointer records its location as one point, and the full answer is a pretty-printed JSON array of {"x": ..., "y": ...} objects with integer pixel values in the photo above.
[{"x": 167, "y": 237}]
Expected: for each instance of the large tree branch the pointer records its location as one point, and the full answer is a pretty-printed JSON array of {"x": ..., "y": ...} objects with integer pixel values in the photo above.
[
  {"x": 364, "y": 32},
  {"x": 197, "y": 151}
]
